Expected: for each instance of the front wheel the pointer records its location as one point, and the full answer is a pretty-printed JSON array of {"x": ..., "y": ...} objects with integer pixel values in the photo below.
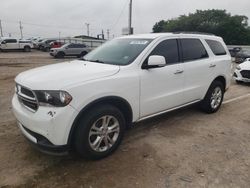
[
  {"x": 99, "y": 132},
  {"x": 60, "y": 55},
  {"x": 214, "y": 97}
]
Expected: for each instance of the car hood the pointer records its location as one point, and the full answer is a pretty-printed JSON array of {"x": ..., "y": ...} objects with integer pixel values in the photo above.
[
  {"x": 245, "y": 65},
  {"x": 60, "y": 76}
]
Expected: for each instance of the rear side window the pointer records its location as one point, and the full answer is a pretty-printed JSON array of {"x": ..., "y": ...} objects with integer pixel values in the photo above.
[
  {"x": 168, "y": 49},
  {"x": 216, "y": 47},
  {"x": 193, "y": 49}
]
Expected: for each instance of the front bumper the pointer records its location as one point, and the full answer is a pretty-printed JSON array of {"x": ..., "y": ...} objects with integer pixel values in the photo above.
[
  {"x": 42, "y": 144},
  {"x": 48, "y": 128},
  {"x": 238, "y": 77},
  {"x": 53, "y": 53}
]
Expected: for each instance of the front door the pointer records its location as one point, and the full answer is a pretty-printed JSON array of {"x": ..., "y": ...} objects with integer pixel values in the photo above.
[{"x": 162, "y": 87}]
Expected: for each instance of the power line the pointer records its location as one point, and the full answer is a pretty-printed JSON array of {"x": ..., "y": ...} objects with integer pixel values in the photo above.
[{"x": 119, "y": 17}]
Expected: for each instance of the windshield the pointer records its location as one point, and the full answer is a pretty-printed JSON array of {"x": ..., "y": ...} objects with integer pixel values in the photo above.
[{"x": 118, "y": 51}]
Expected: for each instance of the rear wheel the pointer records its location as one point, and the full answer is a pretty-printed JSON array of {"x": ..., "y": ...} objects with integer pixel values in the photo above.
[
  {"x": 214, "y": 97},
  {"x": 99, "y": 132},
  {"x": 27, "y": 49}
]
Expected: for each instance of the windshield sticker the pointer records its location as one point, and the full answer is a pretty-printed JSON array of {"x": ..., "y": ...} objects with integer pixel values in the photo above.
[{"x": 139, "y": 42}]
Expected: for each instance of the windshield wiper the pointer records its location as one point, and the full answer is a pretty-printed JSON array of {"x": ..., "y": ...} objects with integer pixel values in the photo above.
[{"x": 96, "y": 61}]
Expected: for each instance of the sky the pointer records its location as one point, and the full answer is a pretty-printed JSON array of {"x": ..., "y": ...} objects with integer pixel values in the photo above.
[{"x": 48, "y": 18}]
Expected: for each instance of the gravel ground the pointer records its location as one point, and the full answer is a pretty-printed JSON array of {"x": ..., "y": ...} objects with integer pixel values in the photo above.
[{"x": 184, "y": 148}]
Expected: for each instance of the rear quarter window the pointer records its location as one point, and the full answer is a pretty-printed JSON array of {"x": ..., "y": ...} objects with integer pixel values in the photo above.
[{"x": 216, "y": 47}]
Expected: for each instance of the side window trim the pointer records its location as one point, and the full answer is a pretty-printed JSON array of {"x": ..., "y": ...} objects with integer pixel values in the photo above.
[{"x": 178, "y": 49}]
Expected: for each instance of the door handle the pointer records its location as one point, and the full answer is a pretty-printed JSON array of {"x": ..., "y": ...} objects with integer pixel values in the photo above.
[
  {"x": 179, "y": 72},
  {"x": 212, "y": 65}
]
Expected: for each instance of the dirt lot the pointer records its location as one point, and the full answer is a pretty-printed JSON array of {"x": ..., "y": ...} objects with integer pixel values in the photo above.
[{"x": 185, "y": 148}]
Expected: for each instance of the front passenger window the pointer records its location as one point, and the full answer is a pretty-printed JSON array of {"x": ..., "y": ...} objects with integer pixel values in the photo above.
[{"x": 167, "y": 49}]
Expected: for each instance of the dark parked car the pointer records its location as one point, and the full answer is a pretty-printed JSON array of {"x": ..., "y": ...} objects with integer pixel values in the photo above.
[
  {"x": 241, "y": 56},
  {"x": 45, "y": 45},
  {"x": 234, "y": 51}
]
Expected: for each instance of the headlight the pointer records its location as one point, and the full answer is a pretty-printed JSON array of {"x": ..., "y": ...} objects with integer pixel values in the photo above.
[
  {"x": 238, "y": 67},
  {"x": 53, "y": 98}
]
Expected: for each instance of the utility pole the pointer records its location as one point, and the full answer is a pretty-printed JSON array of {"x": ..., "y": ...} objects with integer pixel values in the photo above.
[
  {"x": 87, "y": 24},
  {"x": 130, "y": 18},
  {"x": 102, "y": 34},
  {"x": 21, "y": 29},
  {"x": 59, "y": 36},
  {"x": 108, "y": 34},
  {"x": 1, "y": 29}
]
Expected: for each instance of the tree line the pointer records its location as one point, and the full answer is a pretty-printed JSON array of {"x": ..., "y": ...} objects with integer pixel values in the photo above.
[{"x": 233, "y": 29}]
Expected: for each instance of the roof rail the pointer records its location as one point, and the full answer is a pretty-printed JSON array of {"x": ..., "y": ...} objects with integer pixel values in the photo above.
[{"x": 193, "y": 32}]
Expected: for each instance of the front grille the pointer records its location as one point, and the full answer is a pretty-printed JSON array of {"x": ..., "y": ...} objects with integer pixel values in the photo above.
[
  {"x": 27, "y": 92},
  {"x": 245, "y": 74},
  {"x": 27, "y": 98}
]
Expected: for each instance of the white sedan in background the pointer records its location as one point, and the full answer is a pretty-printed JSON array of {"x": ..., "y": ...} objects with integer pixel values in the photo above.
[{"x": 242, "y": 72}]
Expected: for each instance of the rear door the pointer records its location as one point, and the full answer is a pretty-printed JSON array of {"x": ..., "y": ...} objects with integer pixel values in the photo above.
[
  {"x": 69, "y": 50},
  {"x": 199, "y": 70},
  {"x": 162, "y": 87}
]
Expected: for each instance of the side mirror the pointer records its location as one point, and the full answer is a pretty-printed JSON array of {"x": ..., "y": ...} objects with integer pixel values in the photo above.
[{"x": 156, "y": 61}]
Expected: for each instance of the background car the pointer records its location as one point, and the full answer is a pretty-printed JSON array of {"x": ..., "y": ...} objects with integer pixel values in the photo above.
[
  {"x": 241, "y": 56},
  {"x": 72, "y": 49},
  {"x": 234, "y": 51},
  {"x": 242, "y": 72},
  {"x": 45, "y": 45},
  {"x": 15, "y": 44}
]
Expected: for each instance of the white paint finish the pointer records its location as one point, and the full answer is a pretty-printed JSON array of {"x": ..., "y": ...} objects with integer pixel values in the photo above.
[
  {"x": 149, "y": 92},
  {"x": 161, "y": 88},
  {"x": 61, "y": 75},
  {"x": 243, "y": 66}
]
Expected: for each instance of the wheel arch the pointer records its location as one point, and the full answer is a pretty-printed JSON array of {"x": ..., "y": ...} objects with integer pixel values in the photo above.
[
  {"x": 118, "y": 102},
  {"x": 221, "y": 79}
]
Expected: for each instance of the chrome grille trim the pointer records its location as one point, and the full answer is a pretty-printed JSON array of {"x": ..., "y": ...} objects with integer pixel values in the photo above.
[{"x": 25, "y": 100}]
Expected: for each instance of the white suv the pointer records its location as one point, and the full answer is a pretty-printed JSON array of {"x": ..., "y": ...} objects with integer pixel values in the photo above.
[{"x": 87, "y": 104}]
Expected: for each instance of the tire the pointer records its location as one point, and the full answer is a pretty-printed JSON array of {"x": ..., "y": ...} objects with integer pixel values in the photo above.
[
  {"x": 212, "y": 102},
  {"x": 60, "y": 55},
  {"x": 27, "y": 49},
  {"x": 238, "y": 81},
  {"x": 47, "y": 49},
  {"x": 83, "y": 54},
  {"x": 93, "y": 121}
]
